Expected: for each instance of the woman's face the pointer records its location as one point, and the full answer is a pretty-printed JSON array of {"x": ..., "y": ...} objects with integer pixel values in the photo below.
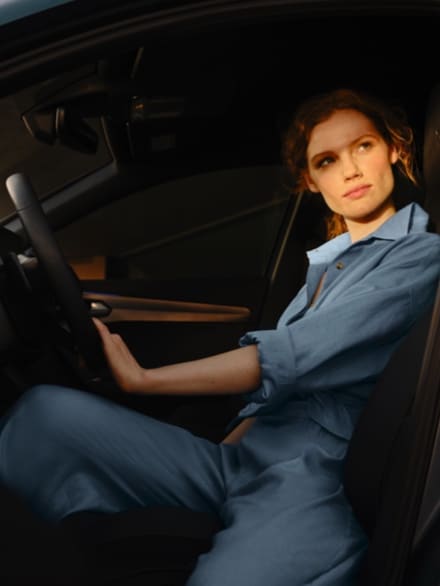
[{"x": 349, "y": 163}]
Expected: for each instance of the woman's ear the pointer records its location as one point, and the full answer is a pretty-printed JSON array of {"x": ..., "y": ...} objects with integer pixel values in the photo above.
[
  {"x": 394, "y": 155},
  {"x": 311, "y": 186}
]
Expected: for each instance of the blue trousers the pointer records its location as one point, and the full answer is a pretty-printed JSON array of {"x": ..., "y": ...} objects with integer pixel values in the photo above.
[{"x": 278, "y": 491}]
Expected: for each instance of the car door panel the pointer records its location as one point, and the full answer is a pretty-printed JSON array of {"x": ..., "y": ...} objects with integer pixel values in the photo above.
[{"x": 164, "y": 322}]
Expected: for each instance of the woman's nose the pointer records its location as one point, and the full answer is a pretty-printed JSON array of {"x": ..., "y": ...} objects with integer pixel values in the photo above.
[{"x": 350, "y": 168}]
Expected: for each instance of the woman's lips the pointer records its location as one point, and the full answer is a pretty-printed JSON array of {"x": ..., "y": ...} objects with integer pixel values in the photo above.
[{"x": 357, "y": 192}]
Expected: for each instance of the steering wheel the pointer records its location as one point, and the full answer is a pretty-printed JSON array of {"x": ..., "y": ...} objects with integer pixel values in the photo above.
[{"x": 61, "y": 277}]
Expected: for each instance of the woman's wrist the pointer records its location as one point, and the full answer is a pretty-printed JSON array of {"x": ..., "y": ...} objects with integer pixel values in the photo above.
[{"x": 141, "y": 383}]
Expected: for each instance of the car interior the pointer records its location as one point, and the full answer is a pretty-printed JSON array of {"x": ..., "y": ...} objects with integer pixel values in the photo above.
[{"x": 147, "y": 189}]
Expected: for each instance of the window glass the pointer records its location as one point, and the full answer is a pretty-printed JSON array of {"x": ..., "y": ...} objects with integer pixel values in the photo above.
[
  {"x": 222, "y": 223},
  {"x": 11, "y": 11}
]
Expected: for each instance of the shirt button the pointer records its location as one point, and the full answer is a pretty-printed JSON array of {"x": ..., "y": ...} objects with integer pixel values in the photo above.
[{"x": 339, "y": 265}]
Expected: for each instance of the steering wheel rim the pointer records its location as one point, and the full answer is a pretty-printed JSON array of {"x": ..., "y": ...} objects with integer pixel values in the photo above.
[{"x": 64, "y": 284}]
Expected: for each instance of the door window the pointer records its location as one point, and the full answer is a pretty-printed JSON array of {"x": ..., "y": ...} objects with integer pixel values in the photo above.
[{"x": 222, "y": 223}]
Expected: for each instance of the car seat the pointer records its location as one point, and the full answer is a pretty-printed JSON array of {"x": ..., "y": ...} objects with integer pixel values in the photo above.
[{"x": 390, "y": 452}]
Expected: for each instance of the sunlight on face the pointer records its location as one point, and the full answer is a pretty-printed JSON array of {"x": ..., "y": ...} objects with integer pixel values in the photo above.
[{"x": 350, "y": 164}]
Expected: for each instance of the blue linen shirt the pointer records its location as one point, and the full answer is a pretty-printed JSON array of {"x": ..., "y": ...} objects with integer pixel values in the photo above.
[{"x": 331, "y": 353}]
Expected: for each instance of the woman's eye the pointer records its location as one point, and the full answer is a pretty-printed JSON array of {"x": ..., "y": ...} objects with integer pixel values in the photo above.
[
  {"x": 364, "y": 146},
  {"x": 324, "y": 162}
]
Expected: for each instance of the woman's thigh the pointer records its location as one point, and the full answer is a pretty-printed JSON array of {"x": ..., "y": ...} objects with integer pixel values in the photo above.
[
  {"x": 318, "y": 545},
  {"x": 65, "y": 450},
  {"x": 289, "y": 525}
]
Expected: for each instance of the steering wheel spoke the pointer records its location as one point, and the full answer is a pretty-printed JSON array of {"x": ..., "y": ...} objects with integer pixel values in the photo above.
[{"x": 61, "y": 277}]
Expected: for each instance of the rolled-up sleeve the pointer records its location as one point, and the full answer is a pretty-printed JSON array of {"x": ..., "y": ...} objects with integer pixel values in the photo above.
[{"x": 349, "y": 337}]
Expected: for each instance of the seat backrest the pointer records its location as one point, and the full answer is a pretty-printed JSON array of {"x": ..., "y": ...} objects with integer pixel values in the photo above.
[
  {"x": 380, "y": 461},
  {"x": 431, "y": 157},
  {"x": 372, "y": 451}
]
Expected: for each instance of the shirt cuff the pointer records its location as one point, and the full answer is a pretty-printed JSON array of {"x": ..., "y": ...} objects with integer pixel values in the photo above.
[{"x": 277, "y": 363}]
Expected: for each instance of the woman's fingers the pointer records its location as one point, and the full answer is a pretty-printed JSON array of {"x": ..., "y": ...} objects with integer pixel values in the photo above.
[
  {"x": 110, "y": 341},
  {"x": 124, "y": 366},
  {"x": 102, "y": 328}
]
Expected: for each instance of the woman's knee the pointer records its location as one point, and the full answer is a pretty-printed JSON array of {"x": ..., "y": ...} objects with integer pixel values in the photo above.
[
  {"x": 37, "y": 442},
  {"x": 44, "y": 407},
  {"x": 44, "y": 417}
]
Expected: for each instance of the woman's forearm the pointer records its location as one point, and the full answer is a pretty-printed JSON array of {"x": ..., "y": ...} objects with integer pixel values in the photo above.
[{"x": 231, "y": 372}]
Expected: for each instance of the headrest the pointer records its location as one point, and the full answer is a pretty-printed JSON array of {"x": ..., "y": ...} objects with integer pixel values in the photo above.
[{"x": 431, "y": 156}]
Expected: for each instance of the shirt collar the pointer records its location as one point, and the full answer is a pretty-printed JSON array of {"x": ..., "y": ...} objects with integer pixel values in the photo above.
[{"x": 409, "y": 219}]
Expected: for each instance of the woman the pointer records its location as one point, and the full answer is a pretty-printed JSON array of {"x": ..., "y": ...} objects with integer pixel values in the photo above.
[{"x": 276, "y": 479}]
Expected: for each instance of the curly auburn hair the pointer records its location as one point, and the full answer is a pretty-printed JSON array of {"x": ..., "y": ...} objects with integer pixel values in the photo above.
[{"x": 390, "y": 122}]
